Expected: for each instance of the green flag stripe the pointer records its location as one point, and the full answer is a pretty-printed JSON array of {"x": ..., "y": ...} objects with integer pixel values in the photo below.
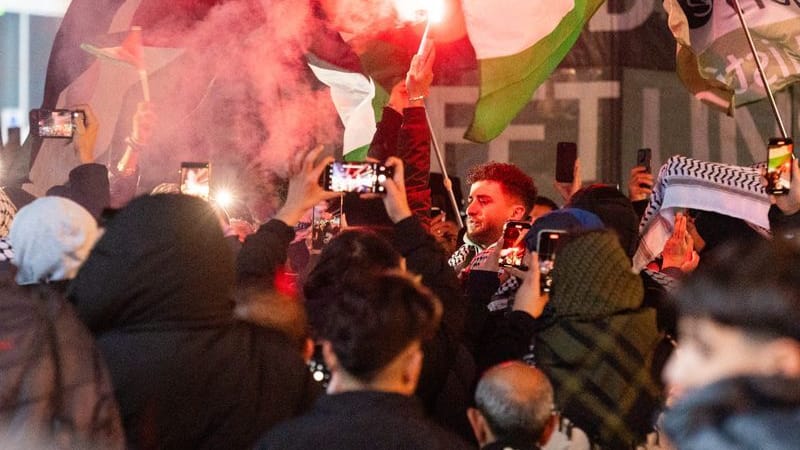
[{"x": 508, "y": 83}]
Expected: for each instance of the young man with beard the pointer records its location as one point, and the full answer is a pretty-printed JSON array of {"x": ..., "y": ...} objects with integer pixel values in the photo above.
[{"x": 498, "y": 192}]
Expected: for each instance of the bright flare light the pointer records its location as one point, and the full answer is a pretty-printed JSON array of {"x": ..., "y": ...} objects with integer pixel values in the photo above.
[
  {"x": 224, "y": 198},
  {"x": 418, "y": 10}
]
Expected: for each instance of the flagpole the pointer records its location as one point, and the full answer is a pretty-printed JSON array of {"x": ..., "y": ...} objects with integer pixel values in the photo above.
[
  {"x": 761, "y": 71},
  {"x": 448, "y": 184}
]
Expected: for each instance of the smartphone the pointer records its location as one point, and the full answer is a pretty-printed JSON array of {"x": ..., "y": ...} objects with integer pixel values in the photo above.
[
  {"x": 55, "y": 123},
  {"x": 358, "y": 177},
  {"x": 326, "y": 223},
  {"x": 780, "y": 157},
  {"x": 546, "y": 243},
  {"x": 513, "y": 250},
  {"x": 196, "y": 179},
  {"x": 566, "y": 154},
  {"x": 643, "y": 158}
]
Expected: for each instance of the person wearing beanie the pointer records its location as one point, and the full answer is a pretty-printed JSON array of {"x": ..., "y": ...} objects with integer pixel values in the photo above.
[{"x": 598, "y": 343}]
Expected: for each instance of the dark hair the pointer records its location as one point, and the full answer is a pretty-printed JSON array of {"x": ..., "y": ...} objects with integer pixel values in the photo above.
[
  {"x": 375, "y": 317},
  {"x": 614, "y": 209},
  {"x": 516, "y": 400},
  {"x": 545, "y": 201},
  {"x": 349, "y": 256},
  {"x": 751, "y": 285},
  {"x": 514, "y": 181}
]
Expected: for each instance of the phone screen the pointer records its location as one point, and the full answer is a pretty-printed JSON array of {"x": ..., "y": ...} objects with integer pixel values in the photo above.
[
  {"x": 58, "y": 123},
  {"x": 643, "y": 157},
  {"x": 547, "y": 242},
  {"x": 195, "y": 179},
  {"x": 326, "y": 223},
  {"x": 566, "y": 154},
  {"x": 359, "y": 177},
  {"x": 779, "y": 165},
  {"x": 513, "y": 250}
]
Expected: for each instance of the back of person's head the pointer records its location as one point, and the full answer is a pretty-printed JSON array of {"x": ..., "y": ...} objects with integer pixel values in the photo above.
[
  {"x": 752, "y": 286},
  {"x": 592, "y": 277},
  {"x": 162, "y": 259},
  {"x": 348, "y": 256},
  {"x": 515, "y": 183},
  {"x": 51, "y": 238},
  {"x": 375, "y": 318},
  {"x": 516, "y": 401},
  {"x": 614, "y": 209}
]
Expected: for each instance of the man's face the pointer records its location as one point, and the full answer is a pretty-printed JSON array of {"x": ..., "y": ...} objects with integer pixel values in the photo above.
[
  {"x": 709, "y": 352},
  {"x": 488, "y": 209}
]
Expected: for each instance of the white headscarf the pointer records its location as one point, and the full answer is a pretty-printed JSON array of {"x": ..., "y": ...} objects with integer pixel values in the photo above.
[{"x": 51, "y": 238}]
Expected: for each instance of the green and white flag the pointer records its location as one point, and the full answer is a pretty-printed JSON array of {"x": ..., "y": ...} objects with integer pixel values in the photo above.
[
  {"x": 352, "y": 94},
  {"x": 518, "y": 44},
  {"x": 714, "y": 60}
]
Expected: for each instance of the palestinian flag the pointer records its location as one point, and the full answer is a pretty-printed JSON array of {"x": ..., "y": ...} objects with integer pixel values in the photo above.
[
  {"x": 714, "y": 59},
  {"x": 518, "y": 45}
]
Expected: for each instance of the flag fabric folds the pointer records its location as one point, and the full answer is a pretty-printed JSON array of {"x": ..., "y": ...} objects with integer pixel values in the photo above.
[
  {"x": 714, "y": 60},
  {"x": 518, "y": 45},
  {"x": 352, "y": 94}
]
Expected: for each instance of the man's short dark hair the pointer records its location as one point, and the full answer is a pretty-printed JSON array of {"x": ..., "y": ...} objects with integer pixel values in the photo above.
[
  {"x": 515, "y": 410},
  {"x": 546, "y": 201},
  {"x": 514, "y": 181},
  {"x": 753, "y": 286},
  {"x": 375, "y": 317}
]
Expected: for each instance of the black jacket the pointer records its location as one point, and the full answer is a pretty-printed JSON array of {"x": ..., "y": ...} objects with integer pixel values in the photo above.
[
  {"x": 156, "y": 292},
  {"x": 362, "y": 420}
]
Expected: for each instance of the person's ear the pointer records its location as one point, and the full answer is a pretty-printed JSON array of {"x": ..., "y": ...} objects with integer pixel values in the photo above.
[
  {"x": 548, "y": 430},
  {"x": 331, "y": 361},
  {"x": 518, "y": 212},
  {"x": 478, "y": 424}
]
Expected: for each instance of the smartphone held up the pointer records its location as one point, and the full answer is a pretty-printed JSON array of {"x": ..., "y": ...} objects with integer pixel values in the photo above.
[
  {"x": 196, "y": 179},
  {"x": 566, "y": 155},
  {"x": 780, "y": 157},
  {"x": 54, "y": 123},
  {"x": 547, "y": 242},
  {"x": 513, "y": 250},
  {"x": 359, "y": 177}
]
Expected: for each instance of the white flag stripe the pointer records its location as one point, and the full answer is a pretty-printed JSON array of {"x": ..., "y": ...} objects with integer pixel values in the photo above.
[
  {"x": 352, "y": 95},
  {"x": 506, "y": 27}
]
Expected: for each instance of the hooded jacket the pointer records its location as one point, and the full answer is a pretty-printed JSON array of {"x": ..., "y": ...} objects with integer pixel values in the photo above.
[
  {"x": 157, "y": 293},
  {"x": 598, "y": 346}
]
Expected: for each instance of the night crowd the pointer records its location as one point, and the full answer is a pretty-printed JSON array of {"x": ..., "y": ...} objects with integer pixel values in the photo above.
[{"x": 163, "y": 320}]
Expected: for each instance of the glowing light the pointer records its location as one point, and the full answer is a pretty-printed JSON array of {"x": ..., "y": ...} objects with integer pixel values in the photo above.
[
  {"x": 224, "y": 198},
  {"x": 419, "y": 10}
]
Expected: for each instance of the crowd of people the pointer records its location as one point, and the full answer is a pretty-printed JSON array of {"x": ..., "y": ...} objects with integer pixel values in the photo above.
[{"x": 136, "y": 320}]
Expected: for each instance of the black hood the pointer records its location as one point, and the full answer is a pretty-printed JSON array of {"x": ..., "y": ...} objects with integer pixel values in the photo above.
[{"x": 161, "y": 264}]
